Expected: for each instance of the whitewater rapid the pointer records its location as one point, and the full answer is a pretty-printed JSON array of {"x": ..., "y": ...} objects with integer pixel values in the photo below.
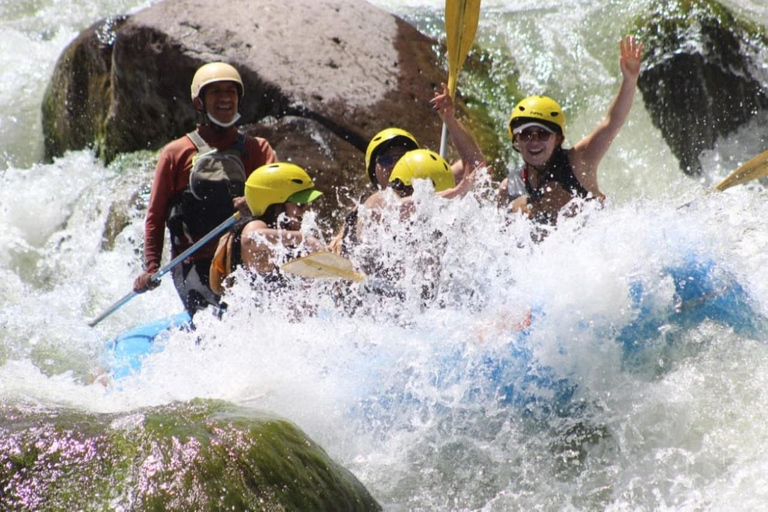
[{"x": 402, "y": 404}]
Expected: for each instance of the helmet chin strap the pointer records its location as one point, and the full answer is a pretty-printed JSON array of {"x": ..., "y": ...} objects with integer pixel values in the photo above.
[{"x": 223, "y": 125}]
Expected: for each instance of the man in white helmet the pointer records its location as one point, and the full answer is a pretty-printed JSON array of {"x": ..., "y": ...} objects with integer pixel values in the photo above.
[{"x": 198, "y": 184}]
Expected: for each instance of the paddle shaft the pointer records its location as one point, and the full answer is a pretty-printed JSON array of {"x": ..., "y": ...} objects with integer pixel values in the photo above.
[
  {"x": 444, "y": 141},
  {"x": 170, "y": 266}
]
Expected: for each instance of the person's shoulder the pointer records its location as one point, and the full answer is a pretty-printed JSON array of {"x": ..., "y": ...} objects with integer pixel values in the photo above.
[
  {"x": 259, "y": 151},
  {"x": 184, "y": 141},
  {"x": 254, "y": 225},
  {"x": 576, "y": 155},
  {"x": 176, "y": 151},
  {"x": 177, "y": 146},
  {"x": 375, "y": 199},
  {"x": 257, "y": 142}
]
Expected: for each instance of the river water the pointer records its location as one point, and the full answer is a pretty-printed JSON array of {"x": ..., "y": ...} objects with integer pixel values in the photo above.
[{"x": 410, "y": 406}]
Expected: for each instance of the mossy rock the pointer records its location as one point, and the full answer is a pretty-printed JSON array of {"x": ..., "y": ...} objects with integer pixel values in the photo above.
[
  {"x": 77, "y": 100},
  {"x": 203, "y": 455}
]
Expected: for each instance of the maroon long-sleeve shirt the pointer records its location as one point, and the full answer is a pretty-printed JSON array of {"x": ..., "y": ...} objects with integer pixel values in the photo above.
[{"x": 172, "y": 177}]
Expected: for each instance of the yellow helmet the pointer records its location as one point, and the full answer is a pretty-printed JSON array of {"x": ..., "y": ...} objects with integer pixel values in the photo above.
[
  {"x": 423, "y": 164},
  {"x": 278, "y": 183},
  {"x": 215, "y": 72},
  {"x": 537, "y": 109},
  {"x": 381, "y": 141}
]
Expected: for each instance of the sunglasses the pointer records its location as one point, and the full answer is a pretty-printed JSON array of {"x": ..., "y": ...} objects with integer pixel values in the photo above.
[
  {"x": 529, "y": 133},
  {"x": 388, "y": 160}
]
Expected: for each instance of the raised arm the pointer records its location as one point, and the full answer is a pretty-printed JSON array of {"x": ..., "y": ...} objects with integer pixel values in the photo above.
[
  {"x": 469, "y": 152},
  {"x": 589, "y": 151}
]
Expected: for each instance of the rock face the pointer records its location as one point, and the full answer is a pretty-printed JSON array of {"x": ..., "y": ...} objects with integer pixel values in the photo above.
[
  {"x": 203, "y": 455},
  {"x": 700, "y": 80},
  {"x": 327, "y": 73}
]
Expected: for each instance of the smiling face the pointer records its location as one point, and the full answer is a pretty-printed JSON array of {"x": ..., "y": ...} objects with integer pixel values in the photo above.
[
  {"x": 220, "y": 100},
  {"x": 537, "y": 145}
]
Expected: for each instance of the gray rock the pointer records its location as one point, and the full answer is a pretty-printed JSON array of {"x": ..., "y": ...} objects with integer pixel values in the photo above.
[
  {"x": 345, "y": 68},
  {"x": 700, "y": 81}
]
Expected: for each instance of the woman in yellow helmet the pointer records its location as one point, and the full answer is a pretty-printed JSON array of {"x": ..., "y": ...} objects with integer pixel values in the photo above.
[
  {"x": 277, "y": 195},
  {"x": 552, "y": 176}
]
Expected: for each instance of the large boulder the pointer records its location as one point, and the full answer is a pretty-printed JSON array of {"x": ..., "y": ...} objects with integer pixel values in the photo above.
[
  {"x": 327, "y": 73},
  {"x": 701, "y": 77},
  {"x": 202, "y": 456}
]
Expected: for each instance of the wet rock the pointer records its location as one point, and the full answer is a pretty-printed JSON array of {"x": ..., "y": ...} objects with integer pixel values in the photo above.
[
  {"x": 701, "y": 79},
  {"x": 77, "y": 101},
  {"x": 203, "y": 455}
]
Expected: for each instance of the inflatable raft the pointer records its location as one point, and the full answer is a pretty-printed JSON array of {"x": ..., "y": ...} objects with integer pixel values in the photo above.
[
  {"x": 695, "y": 291},
  {"x": 130, "y": 348},
  {"x": 702, "y": 291}
]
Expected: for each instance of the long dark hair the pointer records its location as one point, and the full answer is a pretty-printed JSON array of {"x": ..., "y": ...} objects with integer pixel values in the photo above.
[{"x": 272, "y": 214}]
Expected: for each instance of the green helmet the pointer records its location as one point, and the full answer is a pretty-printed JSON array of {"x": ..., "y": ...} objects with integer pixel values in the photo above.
[
  {"x": 278, "y": 183},
  {"x": 382, "y": 141},
  {"x": 425, "y": 165}
]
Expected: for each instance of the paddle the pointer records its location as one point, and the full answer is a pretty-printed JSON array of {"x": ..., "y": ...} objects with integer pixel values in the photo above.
[
  {"x": 754, "y": 169},
  {"x": 461, "y": 17},
  {"x": 170, "y": 266},
  {"x": 323, "y": 265}
]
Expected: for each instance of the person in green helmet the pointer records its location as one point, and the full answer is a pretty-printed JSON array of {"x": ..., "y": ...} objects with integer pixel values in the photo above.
[
  {"x": 277, "y": 196},
  {"x": 198, "y": 184},
  {"x": 552, "y": 176}
]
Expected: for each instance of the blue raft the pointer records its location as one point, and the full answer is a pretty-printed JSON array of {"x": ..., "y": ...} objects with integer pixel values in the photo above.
[
  {"x": 703, "y": 291},
  {"x": 131, "y": 347},
  {"x": 514, "y": 377}
]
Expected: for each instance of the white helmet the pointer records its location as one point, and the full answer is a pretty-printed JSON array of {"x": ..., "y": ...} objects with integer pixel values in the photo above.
[{"x": 215, "y": 72}]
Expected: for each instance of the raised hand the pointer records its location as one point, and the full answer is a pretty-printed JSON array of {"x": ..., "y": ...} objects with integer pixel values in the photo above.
[
  {"x": 443, "y": 103},
  {"x": 631, "y": 55}
]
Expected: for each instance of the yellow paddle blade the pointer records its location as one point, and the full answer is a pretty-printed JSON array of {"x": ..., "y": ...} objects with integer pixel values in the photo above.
[
  {"x": 323, "y": 265},
  {"x": 752, "y": 170},
  {"x": 461, "y": 17}
]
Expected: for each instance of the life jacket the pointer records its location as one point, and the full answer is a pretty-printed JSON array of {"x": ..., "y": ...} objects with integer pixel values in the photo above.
[
  {"x": 560, "y": 171},
  {"x": 217, "y": 177},
  {"x": 228, "y": 257}
]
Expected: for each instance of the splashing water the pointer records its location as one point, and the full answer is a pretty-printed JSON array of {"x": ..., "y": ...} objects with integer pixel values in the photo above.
[{"x": 442, "y": 402}]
